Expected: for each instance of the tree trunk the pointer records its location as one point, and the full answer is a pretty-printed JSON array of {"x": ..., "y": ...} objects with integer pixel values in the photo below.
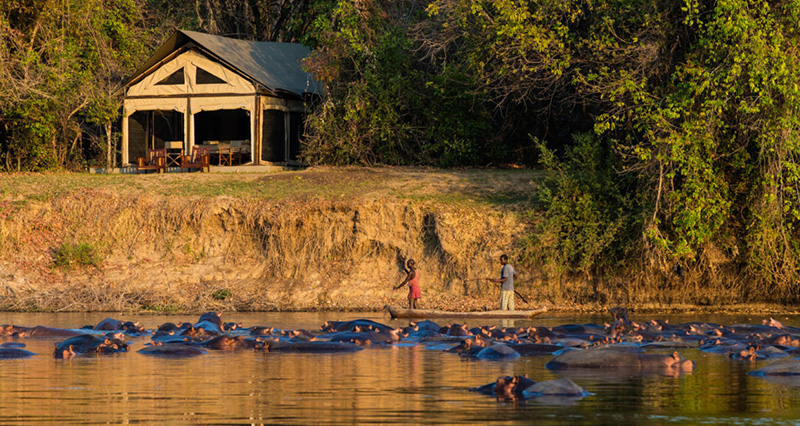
[{"x": 109, "y": 153}]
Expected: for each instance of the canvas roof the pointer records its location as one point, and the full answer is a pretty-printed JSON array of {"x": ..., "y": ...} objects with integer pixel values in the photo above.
[{"x": 276, "y": 66}]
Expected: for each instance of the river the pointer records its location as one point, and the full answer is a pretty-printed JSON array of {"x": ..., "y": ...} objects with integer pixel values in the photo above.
[{"x": 400, "y": 384}]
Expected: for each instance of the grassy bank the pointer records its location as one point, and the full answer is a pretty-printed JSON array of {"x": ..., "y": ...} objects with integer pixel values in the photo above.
[{"x": 318, "y": 239}]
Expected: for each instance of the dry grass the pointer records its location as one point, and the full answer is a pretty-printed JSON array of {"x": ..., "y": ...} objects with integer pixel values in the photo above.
[{"x": 464, "y": 187}]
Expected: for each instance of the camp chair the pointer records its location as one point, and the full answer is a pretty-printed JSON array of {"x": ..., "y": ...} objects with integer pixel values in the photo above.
[
  {"x": 174, "y": 153},
  {"x": 155, "y": 160},
  {"x": 200, "y": 159},
  {"x": 231, "y": 153}
]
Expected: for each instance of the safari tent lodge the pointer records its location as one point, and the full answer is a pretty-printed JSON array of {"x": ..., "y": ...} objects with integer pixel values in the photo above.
[{"x": 243, "y": 102}]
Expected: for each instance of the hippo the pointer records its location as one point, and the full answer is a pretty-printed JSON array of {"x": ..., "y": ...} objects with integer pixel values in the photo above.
[
  {"x": 300, "y": 335},
  {"x": 213, "y": 318},
  {"x": 11, "y": 330},
  {"x": 41, "y": 331},
  {"x": 422, "y": 335},
  {"x": 619, "y": 358},
  {"x": 227, "y": 342},
  {"x": 785, "y": 367},
  {"x": 505, "y": 386},
  {"x": 13, "y": 345},
  {"x": 312, "y": 347},
  {"x": 425, "y": 325},
  {"x": 558, "y": 387},
  {"x": 14, "y": 353},
  {"x": 351, "y": 336},
  {"x": 456, "y": 330},
  {"x": 87, "y": 343},
  {"x": 261, "y": 331},
  {"x": 755, "y": 353},
  {"x": 782, "y": 340},
  {"x": 497, "y": 351},
  {"x": 577, "y": 329},
  {"x": 571, "y": 342},
  {"x": 540, "y": 334},
  {"x": 134, "y": 328},
  {"x": 354, "y": 325},
  {"x": 173, "y": 350},
  {"x": 466, "y": 345},
  {"x": 621, "y": 322},
  {"x": 231, "y": 326},
  {"x": 534, "y": 349},
  {"x": 168, "y": 328},
  {"x": 207, "y": 328},
  {"x": 169, "y": 337},
  {"x": 109, "y": 324},
  {"x": 38, "y": 331}
]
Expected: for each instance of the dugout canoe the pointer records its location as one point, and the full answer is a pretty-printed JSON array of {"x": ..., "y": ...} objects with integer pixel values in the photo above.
[{"x": 398, "y": 312}]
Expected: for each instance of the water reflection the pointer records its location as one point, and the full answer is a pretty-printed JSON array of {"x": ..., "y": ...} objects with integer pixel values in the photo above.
[{"x": 391, "y": 385}]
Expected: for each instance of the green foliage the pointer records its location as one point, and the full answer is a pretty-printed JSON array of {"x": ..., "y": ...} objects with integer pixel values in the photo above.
[
  {"x": 386, "y": 105},
  {"x": 588, "y": 212},
  {"x": 68, "y": 255},
  {"x": 221, "y": 294},
  {"x": 62, "y": 69}
]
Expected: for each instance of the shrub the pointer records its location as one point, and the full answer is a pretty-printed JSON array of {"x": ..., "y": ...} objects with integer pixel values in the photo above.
[{"x": 81, "y": 254}]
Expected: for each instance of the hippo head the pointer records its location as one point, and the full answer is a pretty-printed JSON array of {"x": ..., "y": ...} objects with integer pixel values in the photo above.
[
  {"x": 772, "y": 323},
  {"x": 619, "y": 313},
  {"x": 395, "y": 335},
  {"x": 676, "y": 361},
  {"x": 133, "y": 327},
  {"x": 504, "y": 386},
  {"x": 66, "y": 353}
]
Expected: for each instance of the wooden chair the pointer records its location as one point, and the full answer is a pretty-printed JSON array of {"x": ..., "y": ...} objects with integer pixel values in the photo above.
[
  {"x": 230, "y": 154},
  {"x": 155, "y": 160},
  {"x": 200, "y": 159}
]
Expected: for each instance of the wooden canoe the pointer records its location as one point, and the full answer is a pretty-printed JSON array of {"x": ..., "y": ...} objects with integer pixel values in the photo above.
[{"x": 397, "y": 312}]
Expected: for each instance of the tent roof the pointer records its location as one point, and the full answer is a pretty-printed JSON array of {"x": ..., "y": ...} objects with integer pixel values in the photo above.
[{"x": 276, "y": 66}]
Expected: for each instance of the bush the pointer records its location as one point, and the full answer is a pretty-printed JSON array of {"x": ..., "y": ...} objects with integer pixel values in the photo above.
[
  {"x": 588, "y": 219},
  {"x": 81, "y": 254}
]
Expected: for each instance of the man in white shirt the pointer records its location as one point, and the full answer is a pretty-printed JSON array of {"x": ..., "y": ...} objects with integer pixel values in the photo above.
[{"x": 507, "y": 275}]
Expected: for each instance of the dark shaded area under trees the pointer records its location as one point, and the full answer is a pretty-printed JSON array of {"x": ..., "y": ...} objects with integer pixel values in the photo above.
[{"x": 669, "y": 128}]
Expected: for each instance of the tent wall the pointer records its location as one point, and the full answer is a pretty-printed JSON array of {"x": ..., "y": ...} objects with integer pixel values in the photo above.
[
  {"x": 189, "y": 62},
  {"x": 275, "y": 123}
]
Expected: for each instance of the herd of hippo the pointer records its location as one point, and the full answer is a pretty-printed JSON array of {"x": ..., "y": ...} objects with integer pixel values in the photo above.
[{"x": 622, "y": 345}]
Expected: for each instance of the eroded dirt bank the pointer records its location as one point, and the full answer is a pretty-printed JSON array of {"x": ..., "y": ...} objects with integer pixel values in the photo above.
[
  {"x": 170, "y": 253},
  {"x": 319, "y": 239}
]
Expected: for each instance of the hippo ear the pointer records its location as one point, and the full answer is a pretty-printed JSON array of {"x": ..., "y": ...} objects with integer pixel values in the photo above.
[{"x": 676, "y": 355}]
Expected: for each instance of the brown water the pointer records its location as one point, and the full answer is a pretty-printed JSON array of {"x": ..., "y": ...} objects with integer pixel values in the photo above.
[{"x": 398, "y": 384}]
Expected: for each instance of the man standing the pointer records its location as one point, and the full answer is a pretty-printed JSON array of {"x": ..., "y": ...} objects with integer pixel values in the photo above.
[{"x": 507, "y": 275}]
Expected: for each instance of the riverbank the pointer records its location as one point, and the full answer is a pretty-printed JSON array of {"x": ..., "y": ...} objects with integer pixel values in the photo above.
[{"x": 326, "y": 239}]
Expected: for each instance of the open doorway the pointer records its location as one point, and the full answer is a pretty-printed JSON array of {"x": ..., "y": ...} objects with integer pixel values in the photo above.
[
  {"x": 150, "y": 129},
  {"x": 226, "y": 127}
]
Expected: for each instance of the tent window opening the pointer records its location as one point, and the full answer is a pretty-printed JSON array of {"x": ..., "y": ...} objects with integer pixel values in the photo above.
[
  {"x": 175, "y": 78},
  {"x": 205, "y": 77}
]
